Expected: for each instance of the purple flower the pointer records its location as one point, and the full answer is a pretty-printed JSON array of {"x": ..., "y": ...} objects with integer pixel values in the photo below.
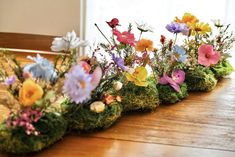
[
  {"x": 175, "y": 27},
  {"x": 176, "y": 79},
  {"x": 77, "y": 84},
  {"x": 10, "y": 80},
  {"x": 119, "y": 62}
]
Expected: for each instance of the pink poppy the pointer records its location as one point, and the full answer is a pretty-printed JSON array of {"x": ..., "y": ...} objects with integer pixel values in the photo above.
[
  {"x": 207, "y": 56},
  {"x": 178, "y": 76},
  {"x": 125, "y": 37}
]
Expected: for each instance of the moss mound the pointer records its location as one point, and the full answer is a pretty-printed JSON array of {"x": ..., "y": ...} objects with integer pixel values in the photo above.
[
  {"x": 52, "y": 127},
  {"x": 136, "y": 98},
  {"x": 223, "y": 68},
  {"x": 200, "y": 79},
  {"x": 168, "y": 95},
  {"x": 82, "y": 119}
]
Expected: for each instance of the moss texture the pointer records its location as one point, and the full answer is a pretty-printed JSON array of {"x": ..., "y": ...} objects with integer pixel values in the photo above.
[
  {"x": 223, "y": 68},
  {"x": 200, "y": 79},
  {"x": 52, "y": 127},
  {"x": 168, "y": 95},
  {"x": 82, "y": 119},
  {"x": 136, "y": 98}
]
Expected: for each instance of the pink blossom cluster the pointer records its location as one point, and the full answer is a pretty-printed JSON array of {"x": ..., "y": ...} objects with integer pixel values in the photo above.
[{"x": 25, "y": 118}]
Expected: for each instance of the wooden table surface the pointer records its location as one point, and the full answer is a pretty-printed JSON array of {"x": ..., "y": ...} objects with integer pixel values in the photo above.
[{"x": 201, "y": 125}]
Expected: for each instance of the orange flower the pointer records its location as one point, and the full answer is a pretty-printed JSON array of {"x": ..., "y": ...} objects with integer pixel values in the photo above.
[
  {"x": 144, "y": 45},
  {"x": 30, "y": 93},
  {"x": 109, "y": 99},
  {"x": 187, "y": 18}
]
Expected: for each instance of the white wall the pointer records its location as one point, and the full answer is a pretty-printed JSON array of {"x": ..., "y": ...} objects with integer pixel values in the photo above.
[{"x": 48, "y": 17}]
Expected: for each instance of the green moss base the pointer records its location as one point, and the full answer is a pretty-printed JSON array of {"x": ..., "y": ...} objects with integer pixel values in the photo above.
[
  {"x": 82, "y": 119},
  {"x": 136, "y": 98},
  {"x": 200, "y": 79},
  {"x": 52, "y": 127},
  {"x": 223, "y": 68},
  {"x": 168, "y": 95}
]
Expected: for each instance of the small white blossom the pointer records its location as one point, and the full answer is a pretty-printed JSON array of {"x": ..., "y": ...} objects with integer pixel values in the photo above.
[
  {"x": 117, "y": 85},
  {"x": 70, "y": 41},
  {"x": 143, "y": 27}
]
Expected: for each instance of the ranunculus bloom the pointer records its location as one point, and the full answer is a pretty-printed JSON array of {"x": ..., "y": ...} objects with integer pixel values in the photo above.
[
  {"x": 207, "y": 56},
  {"x": 125, "y": 37},
  {"x": 144, "y": 45},
  {"x": 29, "y": 93},
  {"x": 113, "y": 23}
]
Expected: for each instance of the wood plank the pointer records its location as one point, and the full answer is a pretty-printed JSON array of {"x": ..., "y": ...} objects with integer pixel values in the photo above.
[
  {"x": 25, "y": 41},
  {"x": 74, "y": 146}
]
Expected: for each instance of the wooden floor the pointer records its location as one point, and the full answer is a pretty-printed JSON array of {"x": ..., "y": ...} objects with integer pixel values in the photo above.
[{"x": 201, "y": 125}]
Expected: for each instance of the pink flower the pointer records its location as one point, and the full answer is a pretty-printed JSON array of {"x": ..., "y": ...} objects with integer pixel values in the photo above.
[
  {"x": 176, "y": 79},
  {"x": 113, "y": 23},
  {"x": 207, "y": 56},
  {"x": 125, "y": 37}
]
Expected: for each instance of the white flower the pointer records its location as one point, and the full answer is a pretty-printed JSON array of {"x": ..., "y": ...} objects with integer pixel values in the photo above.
[
  {"x": 117, "y": 85},
  {"x": 97, "y": 106},
  {"x": 143, "y": 27},
  {"x": 70, "y": 41},
  {"x": 130, "y": 70}
]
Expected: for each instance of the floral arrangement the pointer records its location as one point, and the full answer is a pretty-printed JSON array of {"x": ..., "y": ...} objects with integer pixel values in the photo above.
[
  {"x": 35, "y": 120},
  {"x": 88, "y": 93},
  {"x": 129, "y": 58}
]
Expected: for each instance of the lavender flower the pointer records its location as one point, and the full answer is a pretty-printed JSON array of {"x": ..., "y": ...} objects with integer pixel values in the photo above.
[
  {"x": 10, "y": 80},
  {"x": 70, "y": 41},
  {"x": 43, "y": 68},
  {"x": 78, "y": 85},
  {"x": 181, "y": 53},
  {"x": 119, "y": 62},
  {"x": 175, "y": 27}
]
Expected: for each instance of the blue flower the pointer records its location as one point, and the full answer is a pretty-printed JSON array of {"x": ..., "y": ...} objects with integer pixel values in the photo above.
[
  {"x": 42, "y": 68},
  {"x": 180, "y": 53},
  {"x": 119, "y": 62}
]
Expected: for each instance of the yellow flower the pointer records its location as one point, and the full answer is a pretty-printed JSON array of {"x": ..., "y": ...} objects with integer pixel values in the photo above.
[
  {"x": 138, "y": 77},
  {"x": 29, "y": 93},
  {"x": 144, "y": 45},
  {"x": 187, "y": 18},
  {"x": 200, "y": 28}
]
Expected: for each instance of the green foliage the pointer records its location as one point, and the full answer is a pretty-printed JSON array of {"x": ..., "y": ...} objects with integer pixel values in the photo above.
[
  {"x": 168, "y": 95},
  {"x": 222, "y": 69},
  {"x": 52, "y": 127},
  {"x": 82, "y": 119},
  {"x": 136, "y": 98},
  {"x": 200, "y": 79}
]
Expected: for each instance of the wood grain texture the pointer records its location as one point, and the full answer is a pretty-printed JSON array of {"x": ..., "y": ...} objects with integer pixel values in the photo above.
[
  {"x": 201, "y": 125},
  {"x": 25, "y": 41}
]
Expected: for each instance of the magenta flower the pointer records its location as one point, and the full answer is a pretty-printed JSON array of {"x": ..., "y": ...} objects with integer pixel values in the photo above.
[
  {"x": 10, "y": 80},
  {"x": 176, "y": 79},
  {"x": 207, "y": 56},
  {"x": 125, "y": 37}
]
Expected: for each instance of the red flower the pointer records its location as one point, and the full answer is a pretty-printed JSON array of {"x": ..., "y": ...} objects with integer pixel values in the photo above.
[
  {"x": 162, "y": 40},
  {"x": 125, "y": 37},
  {"x": 113, "y": 23}
]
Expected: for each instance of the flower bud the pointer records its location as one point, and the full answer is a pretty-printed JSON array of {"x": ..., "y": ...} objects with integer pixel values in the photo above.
[
  {"x": 97, "y": 106},
  {"x": 117, "y": 85}
]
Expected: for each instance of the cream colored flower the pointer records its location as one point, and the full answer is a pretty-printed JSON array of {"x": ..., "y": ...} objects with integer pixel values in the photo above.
[
  {"x": 97, "y": 106},
  {"x": 117, "y": 85}
]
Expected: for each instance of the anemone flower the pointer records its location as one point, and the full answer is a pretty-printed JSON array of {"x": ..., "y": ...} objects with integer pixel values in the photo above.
[
  {"x": 119, "y": 62},
  {"x": 175, "y": 27},
  {"x": 180, "y": 53},
  {"x": 207, "y": 56}
]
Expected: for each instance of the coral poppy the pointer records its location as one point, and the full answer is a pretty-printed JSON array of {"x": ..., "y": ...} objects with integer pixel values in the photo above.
[
  {"x": 207, "y": 56},
  {"x": 187, "y": 18},
  {"x": 29, "y": 93},
  {"x": 144, "y": 45}
]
